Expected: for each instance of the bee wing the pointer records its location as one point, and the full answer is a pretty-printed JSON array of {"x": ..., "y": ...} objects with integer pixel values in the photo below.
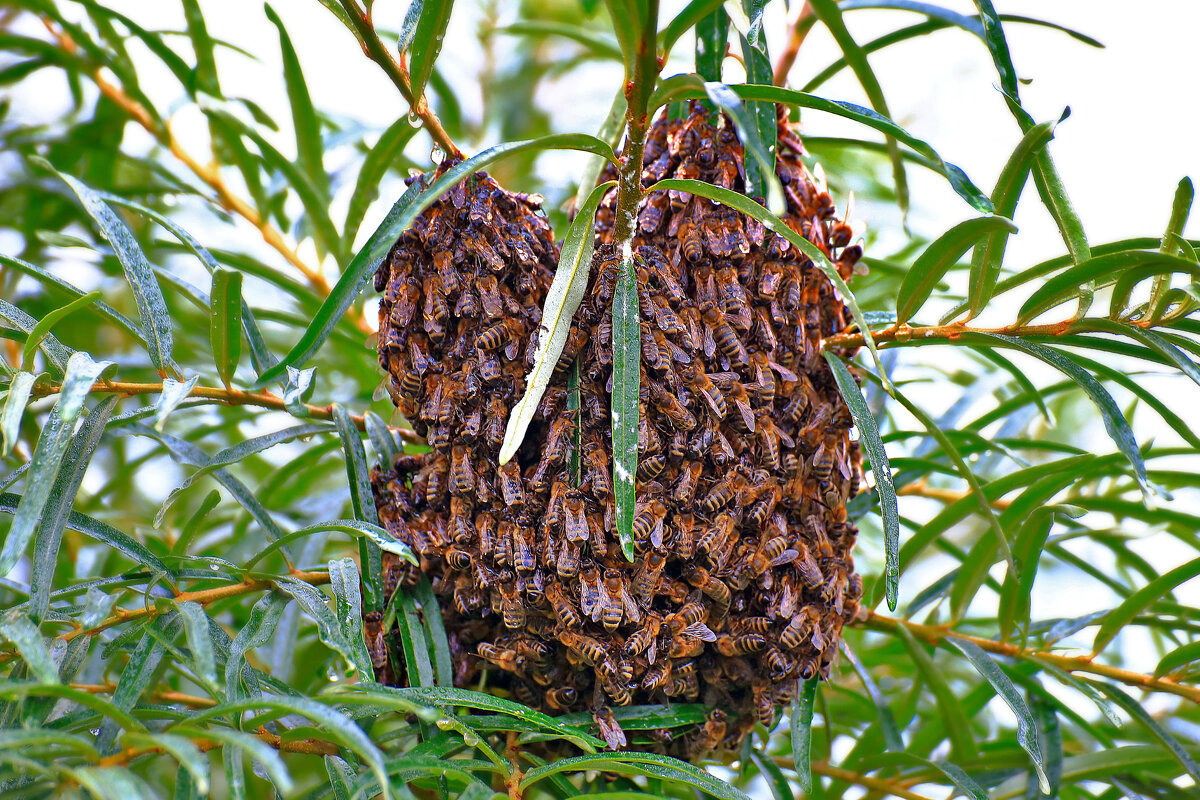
[
  {"x": 587, "y": 601},
  {"x": 783, "y": 371},
  {"x": 652, "y": 651},
  {"x": 747, "y": 413},
  {"x": 656, "y": 534},
  {"x": 785, "y": 557},
  {"x": 632, "y": 610},
  {"x": 698, "y": 630}
]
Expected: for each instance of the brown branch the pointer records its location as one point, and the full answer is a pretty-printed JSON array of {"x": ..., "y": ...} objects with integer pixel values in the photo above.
[
  {"x": 796, "y": 36},
  {"x": 888, "y": 788},
  {"x": 375, "y": 50},
  {"x": 944, "y": 495},
  {"x": 208, "y": 174},
  {"x": 232, "y": 397},
  {"x": 315, "y": 747},
  {"x": 937, "y": 634},
  {"x": 178, "y": 698},
  {"x": 512, "y": 753}
]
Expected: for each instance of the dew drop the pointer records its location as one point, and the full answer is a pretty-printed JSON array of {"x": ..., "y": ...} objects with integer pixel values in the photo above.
[
  {"x": 436, "y": 155},
  {"x": 413, "y": 119},
  {"x": 470, "y": 739},
  {"x": 445, "y": 724}
]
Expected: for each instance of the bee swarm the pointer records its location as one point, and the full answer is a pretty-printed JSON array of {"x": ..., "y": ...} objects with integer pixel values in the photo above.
[{"x": 743, "y": 576}]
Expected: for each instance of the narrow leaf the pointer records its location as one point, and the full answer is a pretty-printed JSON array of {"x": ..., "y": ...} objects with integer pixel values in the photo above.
[
  {"x": 343, "y": 579},
  {"x": 803, "y": 703},
  {"x": 627, "y": 355},
  {"x": 724, "y": 98},
  {"x": 199, "y": 635},
  {"x": 42, "y": 329},
  {"x": 224, "y": 331},
  {"x": 156, "y": 319},
  {"x": 868, "y": 434},
  {"x": 426, "y": 42},
  {"x": 562, "y": 301},
  {"x": 173, "y": 393},
  {"x": 942, "y": 254},
  {"x": 309, "y": 147},
  {"x": 19, "y": 389},
  {"x": 19, "y": 630},
  {"x": 1140, "y": 600},
  {"x": 1026, "y": 730},
  {"x": 362, "y": 499},
  {"x": 1135, "y": 710}
]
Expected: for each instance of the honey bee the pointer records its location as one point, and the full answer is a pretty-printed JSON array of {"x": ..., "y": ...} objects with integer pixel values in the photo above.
[
  {"x": 462, "y": 476},
  {"x": 806, "y": 566},
  {"x": 692, "y": 244},
  {"x": 650, "y": 468},
  {"x": 616, "y": 602},
  {"x": 468, "y": 597},
  {"x": 689, "y": 478},
  {"x": 648, "y": 524},
  {"x": 800, "y": 628},
  {"x": 524, "y": 560},
  {"x": 712, "y": 588},
  {"x": 762, "y": 508},
  {"x": 656, "y": 206},
  {"x": 645, "y": 638},
  {"x": 505, "y": 658},
  {"x": 724, "y": 492},
  {"x": 700, "y": 383},
  {"x": 435, "y": 475},
  {"x": 561, "y": 698},
  {"x": 716, "y": 535},
  {"x": 404, "y": 304},
  {"x": 496, "y": 335},
  {"x": 822, "y": 460},
  {"x": 745, "y": 419},
  {"x": 598, "y": 477},
  {"x": 658, "y": 675},
  {"x": 512, "y": 607},
  {"x": 772, "y": 554},
  {"x": 648, "y": 575},
  {"x": 510, "y": 485},
  {"x": 562, "y": 606},
  {"x": 737, "y": 306},
  {"x": 410, "y": 384},
  {"x": 485, "y": 529},
  {"x": 711, "y": 734},
  {"x": 726, "y": 337},
  {"x": 457, "y": 558},
  {"x": 608, "y": 272},
  {"x": 574, "y": 516},
  {"x": 741, "y": 644},
  {"x": 576, "y": 339},
  {"x": 588, "y": 648},
  {"x": 684, "y": 544},
  {"x": 673, "y": 410},
  {"x": 616, "y": 689},
  {"x": 567, "y": 564},
  {"x": 610, "y": 729},
  {"x": 589, "y": 593},
  {"x": 489, "y": 367},
  {"x": 497, "y": 416}
]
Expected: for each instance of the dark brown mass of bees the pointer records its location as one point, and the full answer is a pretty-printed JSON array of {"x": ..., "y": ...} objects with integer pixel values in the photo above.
[{"x": 743, "y": 576}]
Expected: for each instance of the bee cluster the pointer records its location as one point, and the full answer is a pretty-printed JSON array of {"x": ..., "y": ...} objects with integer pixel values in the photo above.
[{"x": 743, "y": 576}]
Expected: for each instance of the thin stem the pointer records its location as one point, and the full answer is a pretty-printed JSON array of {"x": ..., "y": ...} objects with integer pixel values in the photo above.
[
  {"x": 233, "y": 397},
  {"x": 374, "y": 49},
  {"x": 638, "y": 88},
  {"x": 888, "y": 788},
  {"x": 945, "y": 495},
  {"x": 796, "y": 36},
  {"x": 315, "y": 747},
  {"x": 209, "y": 174},
  {"x": 936, "y": 635}
]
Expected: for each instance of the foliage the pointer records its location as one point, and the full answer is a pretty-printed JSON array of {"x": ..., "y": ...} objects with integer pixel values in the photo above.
[{"x": 186, "y": 425}]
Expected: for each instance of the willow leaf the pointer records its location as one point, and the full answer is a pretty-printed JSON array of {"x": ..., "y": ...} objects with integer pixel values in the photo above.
[
  {"x": 562, "y": 301},
  {"x": 627, "y": 355},
  {"x": 942, "y": 254}
]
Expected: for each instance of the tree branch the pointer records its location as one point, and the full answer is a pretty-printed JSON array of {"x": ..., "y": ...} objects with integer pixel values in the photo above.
[
  {"x": 796, "y": 36},
  {"x": 375, "y": 50},
  {"x": 232, "y": 397}
]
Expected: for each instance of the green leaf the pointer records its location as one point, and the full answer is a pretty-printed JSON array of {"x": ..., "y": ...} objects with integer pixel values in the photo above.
[
  {"x": 989, "y": 255},
  {"x": 747, "y": 206},
  {"x": 332, "y": 626},
  {"x": 627, "y": 359},
  {"x": 138, "y": 673},
  {"x": 15, "y": 401},
  {"x": 356, "y": 528},
  {"x": 1114, "y": 421},
  {"x": 712, "y": 40},
  {"x": 57, "y": 511},
  {"x": 362, "y": 499},
  {"x": 259, "y": 354},
  {"x": 224, "y": 329},
  {"x": 1187, "y": 655},
  {"x": 52, "y": 444},
  {"x": 426, "y": 42},
  {"x": 435, "y": 633},
  {"x": 1026, "y": 730},
  {"x": 56, "y": 354},
  {"x": 343, "y": 579},
  {"x": 310, "y": 150},
  {"x": 264, "y": 619},
  {"x": 1028, "y": 545},
  {"x": 957, "y": 725},
  {"x": 803, "y": 703},
  {"x": 1136, "y": 603},
  {"x": 1135, "y": 710},
  {"x": 562, "y": 301},
  {"x": 206, "y": 65},
  {"x": 197, "y": 626},
  {"x": 868, "y": 433},
  {"x": 597, "y": 44},
  {"x": 156, "y": 319},
  {"x": 173, "y": 393},
  {"x": 42, "y": 329},
  {"x": 724, "y": 98},
  {"x": 630, "y": 763},
  {"x": 1127, "y": 268},
  {"x": 942, "y": 254},
  {"x": 829, "y": 13},
  {"x": 383, "y": 441},
  {"x": 887, "y": 721},
  {"x": 685, "y": 87},
  {"x": 760, "y": 172},
  {"x": 383, "y": 156},
  {"x": 414, "y": 201},
  {"x": 19, "y": 630}
]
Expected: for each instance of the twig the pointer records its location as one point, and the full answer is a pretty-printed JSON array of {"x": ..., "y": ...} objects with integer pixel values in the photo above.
[
  {"x": 179, "y": 698},
  {"x": 512, "y": 753},
  {"x": 375, "y": 50},
  {"x": 945, "y": 495},
  {"x": 208, "y": 174},
  {"x": 937, "y": 635},
  {"x": 796, "y": 35},
  {"x": 904, "y": 333},
  {"x": 233, "y": 397},
  {"x": 315, "y": 747},
  {"x": 857, "y": 778}
]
